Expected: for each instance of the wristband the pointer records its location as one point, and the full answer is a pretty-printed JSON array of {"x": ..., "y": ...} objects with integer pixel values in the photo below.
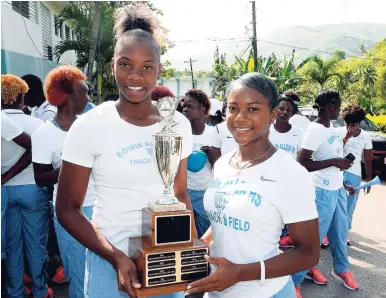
[{"x": 262, "y": 273}]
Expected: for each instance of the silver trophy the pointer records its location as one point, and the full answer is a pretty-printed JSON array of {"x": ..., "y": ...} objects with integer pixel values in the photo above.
[{"x": 168, "y": 146}]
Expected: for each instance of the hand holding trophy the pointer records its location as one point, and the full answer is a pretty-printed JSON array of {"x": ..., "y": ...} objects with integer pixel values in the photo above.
[{"x": 167, "y": 255}]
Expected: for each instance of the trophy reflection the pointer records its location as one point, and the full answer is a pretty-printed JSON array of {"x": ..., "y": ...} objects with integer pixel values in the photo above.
[{"x": 167, "y": 255}]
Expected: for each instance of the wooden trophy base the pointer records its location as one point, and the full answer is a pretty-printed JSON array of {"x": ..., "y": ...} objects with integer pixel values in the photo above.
[{"x": 168, "y": 269}]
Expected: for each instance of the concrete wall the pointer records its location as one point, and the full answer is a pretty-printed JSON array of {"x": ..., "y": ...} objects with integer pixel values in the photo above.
[
  {"x": 180, "y": 86},
  {"x": 22, "y": 45}
]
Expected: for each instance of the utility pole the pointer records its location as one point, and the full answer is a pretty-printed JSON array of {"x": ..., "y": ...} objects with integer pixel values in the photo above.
[
  {"x": 254, "y": 38},
  {"x": 191, "y": 69}
]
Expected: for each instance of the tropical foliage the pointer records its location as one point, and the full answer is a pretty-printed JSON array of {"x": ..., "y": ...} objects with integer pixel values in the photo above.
[
  {"x": 83, "y": 16},
  {"x": 360, "y": 80}
]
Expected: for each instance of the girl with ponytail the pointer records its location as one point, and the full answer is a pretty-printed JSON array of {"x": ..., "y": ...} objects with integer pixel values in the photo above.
[
  {"x": 114, "y": 143},
  {"x": 322, "y": 155}
]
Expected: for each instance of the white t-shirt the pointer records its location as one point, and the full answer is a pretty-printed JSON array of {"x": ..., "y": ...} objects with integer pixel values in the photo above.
[
  {"x": 223, "y": 139},
  {"x": 124, "y": 171},
  {"x": 9, "y": 129},
  {"x": 356, "y": 145},
  {"x": 44, "y": 112},
  {"x": 47, "y": 146},
  {"x": 290, "y": 141},
  {"x": 300, "y": 121},
  {"x": 200, "y": 180},
  {"x": 248, "y": 211},
  {"x": 12, "y": 152},
  {"x": 325, "y": 143}
]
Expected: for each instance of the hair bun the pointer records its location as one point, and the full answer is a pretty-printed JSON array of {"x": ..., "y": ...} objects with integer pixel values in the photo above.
[
  {"x": 135, "y": 16},
  {"x": 316, "y": 106}
]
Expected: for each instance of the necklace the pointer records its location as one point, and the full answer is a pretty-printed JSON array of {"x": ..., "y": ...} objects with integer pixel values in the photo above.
[
  {"x": 249, "y": 162},
  {"x": 59, "y": 124}
]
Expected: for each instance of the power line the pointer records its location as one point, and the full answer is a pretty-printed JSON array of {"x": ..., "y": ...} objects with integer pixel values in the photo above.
[
  {"x": 311, "y": 50},
  {"x": 25, "y": 25},
  {"x": 340, "y": 35}
]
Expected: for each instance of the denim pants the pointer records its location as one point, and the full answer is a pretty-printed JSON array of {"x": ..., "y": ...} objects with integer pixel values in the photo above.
[
  {"x": 288, "y": 291},
  {"x": 101, "y": 280},
  {"x": 332, "y": 213},
  {"x": 73, "y": 256},
  {"x": 4, "y": 204},
  {"x": 27, "y": 232},
  {"x": 200, "y": 217},
  {"x": 354, "y": 180}
]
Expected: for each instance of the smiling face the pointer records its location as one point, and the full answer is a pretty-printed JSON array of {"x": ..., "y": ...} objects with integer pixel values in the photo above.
[
  {"x": 249, "y": 115},
  {"x": 284, "y": 111},
  {"x": 136, "y": 68}
]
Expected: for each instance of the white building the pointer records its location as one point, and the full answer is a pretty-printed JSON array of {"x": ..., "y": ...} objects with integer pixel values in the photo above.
[
  {"x": 29, "y": 33},
  {"x": 179, "y": 86}
]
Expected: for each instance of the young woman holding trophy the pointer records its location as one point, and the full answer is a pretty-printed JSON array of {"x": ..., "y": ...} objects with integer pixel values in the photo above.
[
  {"x": 250, "y": 200},
  {"x": 114, "y": 143}
]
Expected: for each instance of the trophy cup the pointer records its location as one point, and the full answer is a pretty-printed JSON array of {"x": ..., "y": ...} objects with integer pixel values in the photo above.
[{"x": 167, "y": 255}]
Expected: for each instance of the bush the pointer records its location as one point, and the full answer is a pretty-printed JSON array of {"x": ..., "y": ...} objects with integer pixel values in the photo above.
[{"x": 379, "y": 121}]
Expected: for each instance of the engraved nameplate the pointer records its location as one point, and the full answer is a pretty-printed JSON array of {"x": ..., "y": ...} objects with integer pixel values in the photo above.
[
  {"x": 162, "y": 264},
  {"x": 193, "y": 253},
  {"x": 161, "y": 257},
  {"x": 162, "y": 280},
  {"x": 194, "y": 276},
  {"x": 193, "y": 261},
  {"x": 161, "y": 272},
  {"x": 201, "y": 267}
]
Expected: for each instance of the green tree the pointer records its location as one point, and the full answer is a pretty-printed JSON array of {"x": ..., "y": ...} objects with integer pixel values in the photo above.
[
  {"x": 81, "y": 15},
  {"x": 318, "y": 70}
]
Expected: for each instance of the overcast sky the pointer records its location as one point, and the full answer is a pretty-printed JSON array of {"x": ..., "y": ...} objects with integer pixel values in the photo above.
[{"x": 202, "y": 19}]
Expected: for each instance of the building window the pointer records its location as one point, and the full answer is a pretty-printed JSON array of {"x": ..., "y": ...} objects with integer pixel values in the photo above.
[
  {"x": 57, "y": 26},
  {"x": 46, "y": 32},
  {"x": 26, "y": 8},
  {"x": 67, "y": 32}
]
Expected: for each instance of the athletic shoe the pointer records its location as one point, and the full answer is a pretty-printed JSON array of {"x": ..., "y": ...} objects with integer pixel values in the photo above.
[
  {"x": 28, "y": 292},
  {"x": 325, "y": 242},
  {"x": 27, "y": 279},
  {"x": 298, "y": 295},
  {"x": 317, "y": 277},
  {"x": 348, "y": 280},
  {"x": 59, "y": 276},
  {"x": 286, "y": 242}
]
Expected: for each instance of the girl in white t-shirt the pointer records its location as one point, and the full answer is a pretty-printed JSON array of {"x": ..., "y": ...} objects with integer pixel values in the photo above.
[
  {"x": 288, "y": 138},
  {"x": 297, "y": 118},
  {"x": 28, "y": 207},
  {"x": 358, "y": 142},
  {"x": 247, "y": 208},
  {"x": 200, "y": 162},
  {"x": 322, "y": 155},
  {"x": 114, "y": 143},
  {"x": 11, "y": 132},
  {"x": 67, "y": 90}
]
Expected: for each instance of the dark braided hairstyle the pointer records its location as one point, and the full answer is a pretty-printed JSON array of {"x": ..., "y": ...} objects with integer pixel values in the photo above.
[{"x": 326, "y": 97}]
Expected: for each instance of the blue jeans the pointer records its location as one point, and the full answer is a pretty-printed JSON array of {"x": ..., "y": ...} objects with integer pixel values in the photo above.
[
  {"x": 27, "y": 231},
  {"x": 101, "y": 280},
  {"x": 355, "y": 181},
  {"x": 73, "y": 256},
  {"x": 4, "y": 204},
  {"x": 287, "y": 292},
  {"x": 200, "y": 217},
  {"x": 332, "y": 213}
]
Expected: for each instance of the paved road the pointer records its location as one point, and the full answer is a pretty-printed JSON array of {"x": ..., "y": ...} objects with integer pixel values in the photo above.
[{"x": 367, "y": 255}]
